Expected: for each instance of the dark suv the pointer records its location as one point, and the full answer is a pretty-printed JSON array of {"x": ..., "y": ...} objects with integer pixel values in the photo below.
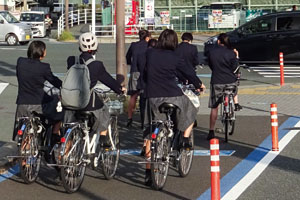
[{"x": 261, "y": 39}]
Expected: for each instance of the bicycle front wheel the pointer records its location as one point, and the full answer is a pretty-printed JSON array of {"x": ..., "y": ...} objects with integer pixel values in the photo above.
[
  {"x": 186, "y": 158},
  {"x": 160, "y": 160},
  {"x": 73, "y": 168},
  {"x": 30, "y": 157},
  {"x": 110, "y": 159}
]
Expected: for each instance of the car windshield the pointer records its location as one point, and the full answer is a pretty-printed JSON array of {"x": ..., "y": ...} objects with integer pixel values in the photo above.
[
  {"x": 31, "y": 17},
  {"x": 9, "y": 17}
]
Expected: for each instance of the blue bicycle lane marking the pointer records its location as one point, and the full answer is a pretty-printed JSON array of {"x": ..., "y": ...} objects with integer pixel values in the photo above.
[
  {"x": 241, "y": 169},
  {"x": 11, "y": 172}
]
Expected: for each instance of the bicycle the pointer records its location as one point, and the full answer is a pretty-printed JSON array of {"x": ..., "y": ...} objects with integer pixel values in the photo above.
[
  {"x": 227, "y": 113},
  {"x": 166, "y": 148},
  {"x": 34, "y": 137},
  {"x": 79, "y": 149}
]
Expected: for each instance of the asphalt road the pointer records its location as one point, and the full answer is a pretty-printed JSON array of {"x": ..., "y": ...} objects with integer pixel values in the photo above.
[{"x": 280, "y": 180}]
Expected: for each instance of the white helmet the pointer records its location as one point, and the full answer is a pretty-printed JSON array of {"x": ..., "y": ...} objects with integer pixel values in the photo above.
[{"x": 88, "y": 41}]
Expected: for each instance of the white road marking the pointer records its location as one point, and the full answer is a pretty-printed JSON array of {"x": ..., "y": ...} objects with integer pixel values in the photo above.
[
  {"x": 276, "y": 70},
  {"x": 8, "y": 68},
  {"x": 3, "y": 86},
  {"x": 274, "y": 67},
  {"x": 5, "y": 48},
  {"x": 277, "y": 73},
  {"x": 248, "y": 179},
  {"x": 279, "y": 76}
]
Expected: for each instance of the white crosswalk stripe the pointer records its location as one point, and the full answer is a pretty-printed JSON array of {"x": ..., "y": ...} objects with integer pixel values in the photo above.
[
  {"x": 3, "y": 86},
  {"x": 274, "y": 72}
]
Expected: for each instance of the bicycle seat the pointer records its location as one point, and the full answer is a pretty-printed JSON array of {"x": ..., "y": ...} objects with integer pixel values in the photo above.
[
  {"x": 167, "y": 108},
  {"x": 83, "y": 115}
]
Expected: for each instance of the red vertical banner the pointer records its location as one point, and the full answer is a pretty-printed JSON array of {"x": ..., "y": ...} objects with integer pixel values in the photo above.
[{"x": 215, "y": 169}]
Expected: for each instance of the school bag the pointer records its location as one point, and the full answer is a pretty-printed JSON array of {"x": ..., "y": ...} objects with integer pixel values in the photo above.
[{"x": 75, "y": 90}]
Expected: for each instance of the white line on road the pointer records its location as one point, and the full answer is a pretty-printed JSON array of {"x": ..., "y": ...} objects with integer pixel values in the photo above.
[
  {"x": 275, "y": 70},
  {"x": 247, "y": 180},
  {"x": 3, "y": 86},
  {"x": 279, "y": 76},
  {"x": 277, "y": 73},
  {"x": 8, "y": 68},
  {"x": 3, "y": 48},
  {"x": 274, "y": 67}
]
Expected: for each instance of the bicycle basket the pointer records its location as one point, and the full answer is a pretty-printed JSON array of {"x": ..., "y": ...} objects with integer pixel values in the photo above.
[{"x": 115, "y": 107}]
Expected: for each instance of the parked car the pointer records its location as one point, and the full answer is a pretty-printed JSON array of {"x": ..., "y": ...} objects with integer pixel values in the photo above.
[
  {"x": 261, "y": 39},
  {"x": 37, "y": 21},
  {"x": 12, "y": 31}
]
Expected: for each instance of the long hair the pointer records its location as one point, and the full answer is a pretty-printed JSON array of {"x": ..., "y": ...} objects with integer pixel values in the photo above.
[
  {"x": 224, "y": 40},
  {"x": 167, "y": 40}
]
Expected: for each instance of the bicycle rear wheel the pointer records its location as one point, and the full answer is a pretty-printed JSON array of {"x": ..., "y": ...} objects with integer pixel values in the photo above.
[
  {"x": 186, "y": 158},
  {"x": 110, "y": 159},
  {"x": 160, "y": 160},
  {"x": 227, "y": 127},
  {"x": 72, "y": 172},
  {"x": 30, "y": 157}
]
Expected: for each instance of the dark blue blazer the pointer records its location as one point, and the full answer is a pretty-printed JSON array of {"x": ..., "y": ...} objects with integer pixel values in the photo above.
[
  {"x": 135, "y": 50},
  {"x": 162, "y": 68},
  {"x": 189, "y": 53},
  {"x": 222, "y": 62},
  {"x": 31, "y": 75}
]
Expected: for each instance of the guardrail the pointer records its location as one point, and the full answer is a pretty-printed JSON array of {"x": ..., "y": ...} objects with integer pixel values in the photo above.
[
  {"x": 77, "y": 17},
  {"x": 85, "y": 16},
  {"x": 130, "y": 30}
]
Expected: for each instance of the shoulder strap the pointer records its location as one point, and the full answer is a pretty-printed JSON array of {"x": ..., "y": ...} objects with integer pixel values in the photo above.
[
  {"x": 89, "y": 61},
  {"x": 77, "y": 58}
]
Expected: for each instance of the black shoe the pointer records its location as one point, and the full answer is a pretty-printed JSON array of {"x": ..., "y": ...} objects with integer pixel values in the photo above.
[
  {"x": 186, "y": 144},
  {"x": 211, "y": 135},
  {"x": 129, "y": 123},
  {"x": 55, "y": 139},
  {"x": 104, "y": 143},
  {"x": 195, "y": 124},
  {"x": 148, "y": 178},
  {"x": 237, "y": 107},
  {"x": 143, "y": 151}
]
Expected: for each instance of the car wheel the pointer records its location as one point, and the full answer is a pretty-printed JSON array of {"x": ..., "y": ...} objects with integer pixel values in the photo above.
[
  {"x": 12, "y": 40},
  {"x": 24, "y": 43}
]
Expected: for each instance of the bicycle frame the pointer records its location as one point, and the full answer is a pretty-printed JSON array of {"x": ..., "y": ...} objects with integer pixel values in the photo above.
[{"x": 90, "y": 145}]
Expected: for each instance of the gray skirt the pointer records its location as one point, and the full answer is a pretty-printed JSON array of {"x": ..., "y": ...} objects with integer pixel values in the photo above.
[
  {"x": 132, "y": 83},
  {"x": 185, "y": 114},
  {"x": 101, "y": 121},
  {"x": 216, "y": 93}
]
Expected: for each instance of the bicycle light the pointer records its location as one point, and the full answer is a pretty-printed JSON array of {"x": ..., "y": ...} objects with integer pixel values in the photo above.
[
  {"x": 63, "y": 140},
  {"x": 20, "y": 132},
  {"x": 226, "y": 101},
  {"x": 153, "y": 136}
]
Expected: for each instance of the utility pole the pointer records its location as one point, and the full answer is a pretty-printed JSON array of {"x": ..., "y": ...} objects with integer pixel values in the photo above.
[
  {"x": 25, "y": 5},
  {"x": 67, "y": 14},
  {"x": 121, "y": 70}
]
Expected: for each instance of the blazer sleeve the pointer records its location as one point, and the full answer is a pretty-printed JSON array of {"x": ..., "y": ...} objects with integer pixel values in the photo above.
[
  {"x": 49, "y": 76},
  {"x": 129, "y": 55},
  {"x": 195, "y": 57},
  {"x": 188, "y": 73},
  {"x": 108, "y": 80},
  {"x": 234, "y": 62}
]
